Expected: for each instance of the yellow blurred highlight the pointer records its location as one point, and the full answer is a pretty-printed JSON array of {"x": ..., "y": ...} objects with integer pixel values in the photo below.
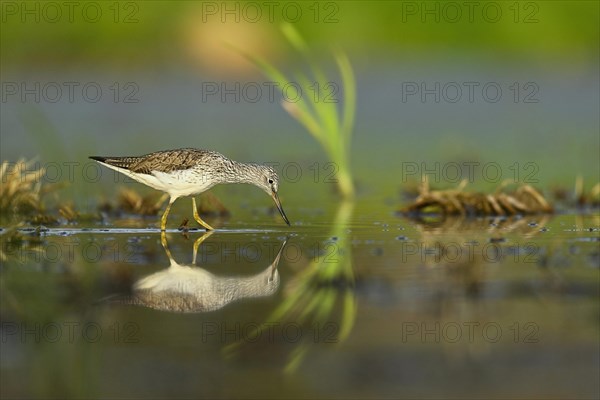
[{"x": 208, "y": 43}]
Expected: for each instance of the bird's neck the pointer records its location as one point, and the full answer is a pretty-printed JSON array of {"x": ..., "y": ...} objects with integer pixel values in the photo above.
[{"x": 242, "y": 173}]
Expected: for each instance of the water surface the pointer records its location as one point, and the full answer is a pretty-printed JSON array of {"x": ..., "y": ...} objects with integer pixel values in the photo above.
[{"x": 356, "y": 307}]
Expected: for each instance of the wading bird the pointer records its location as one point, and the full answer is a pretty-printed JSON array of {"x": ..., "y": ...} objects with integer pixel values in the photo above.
[{"x": 188, "y": 172}]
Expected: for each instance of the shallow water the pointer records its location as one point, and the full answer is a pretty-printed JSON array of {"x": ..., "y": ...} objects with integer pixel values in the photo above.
[{"x": 362, "y": 307}]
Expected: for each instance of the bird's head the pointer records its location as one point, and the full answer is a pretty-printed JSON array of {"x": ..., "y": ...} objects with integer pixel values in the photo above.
[{"x": 269, "y": 182}]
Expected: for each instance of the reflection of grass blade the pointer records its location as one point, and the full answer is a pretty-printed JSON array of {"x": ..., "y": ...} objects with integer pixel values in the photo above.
[
  {"x": 296, "y": 358},
  {"x": 313, "y": 303},
  {"x": 348, "y": 315},
  {"x": 326, "y": 305},
  {"x": 287, "y": 306},
  {"x": 316, "y": 298}
]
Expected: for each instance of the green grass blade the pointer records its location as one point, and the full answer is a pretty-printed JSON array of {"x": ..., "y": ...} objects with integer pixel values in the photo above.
[
  {"x": 349, "y": 83},
  {"x": 294, "y": 38}
]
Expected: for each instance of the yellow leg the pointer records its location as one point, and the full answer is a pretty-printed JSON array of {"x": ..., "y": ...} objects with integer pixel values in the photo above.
[
  {"x": 198, "y": 242},
  {"x": 163, "y": 220},
  {"x": 197, "y": 216}
]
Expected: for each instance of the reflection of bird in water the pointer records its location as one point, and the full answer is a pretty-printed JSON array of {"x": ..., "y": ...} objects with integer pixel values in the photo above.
[{"x": 182, "y": 288}]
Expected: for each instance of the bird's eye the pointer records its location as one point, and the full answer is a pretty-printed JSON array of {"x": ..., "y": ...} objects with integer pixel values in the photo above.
[{"x": 271, "y": 181}]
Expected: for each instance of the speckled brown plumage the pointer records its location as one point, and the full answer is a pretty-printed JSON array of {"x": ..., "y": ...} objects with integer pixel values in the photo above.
[{"x": 162, "y": 161}]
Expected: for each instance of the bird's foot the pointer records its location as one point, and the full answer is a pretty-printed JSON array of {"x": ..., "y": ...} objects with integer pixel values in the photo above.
[{"x": 197, "y": 216}]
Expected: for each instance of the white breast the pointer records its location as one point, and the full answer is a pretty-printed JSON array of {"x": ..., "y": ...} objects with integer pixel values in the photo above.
[
  {"x": 176, "y": 183},
  {"x": 182, "y": 183}
]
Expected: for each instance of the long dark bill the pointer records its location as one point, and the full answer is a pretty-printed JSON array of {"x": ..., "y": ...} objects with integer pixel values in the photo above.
[{"x": 278, "y": 204}]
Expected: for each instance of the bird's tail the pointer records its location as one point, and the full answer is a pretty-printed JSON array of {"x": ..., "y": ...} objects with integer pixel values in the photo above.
[{"x": 120, "y": 162}]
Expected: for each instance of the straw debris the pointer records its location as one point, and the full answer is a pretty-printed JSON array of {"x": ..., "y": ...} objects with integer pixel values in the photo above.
[
  {"x": 525, "y": 200},
  {"x": 132, "y": 202},
  {"x": 211, "y": 206},
  {"x": 21, "y": 188}
]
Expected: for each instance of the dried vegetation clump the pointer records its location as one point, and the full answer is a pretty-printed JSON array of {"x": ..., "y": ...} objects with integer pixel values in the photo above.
[
  {"x": 21, "y": 187},
  {"x": 211, "y": 206},
  {"x": 578, "y": 197},
  {"x": 22, "y": 196},
  {"x": 132, "y": 202},
  {"x": 525, "y": 200}
]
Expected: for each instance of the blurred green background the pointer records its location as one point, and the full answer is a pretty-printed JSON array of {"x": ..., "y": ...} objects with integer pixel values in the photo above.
[
  {"x": 152, "y": 33},
  {"x": 170, "y": 50}
]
